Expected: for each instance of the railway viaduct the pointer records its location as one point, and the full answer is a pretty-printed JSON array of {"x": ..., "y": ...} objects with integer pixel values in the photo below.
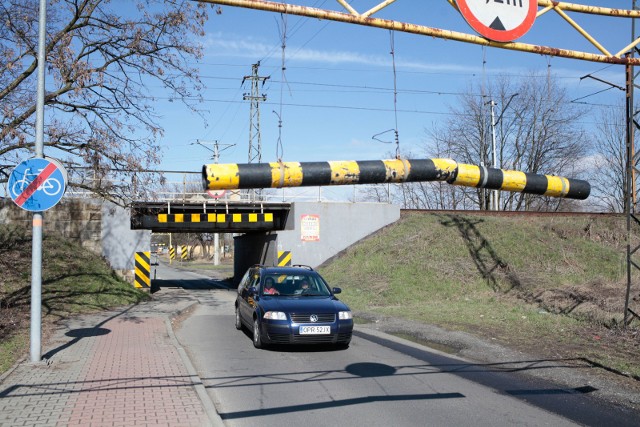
[{"x": 310, "y": 232}]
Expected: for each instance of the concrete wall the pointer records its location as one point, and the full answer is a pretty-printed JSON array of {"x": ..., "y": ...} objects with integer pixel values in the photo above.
[
  {"x": 314, "y": 233},
  {"x": 119, "y": 242},
  {"x": 251, "y": 249},
  {"x": 77, "y": 220},
  {"x": 336, "y": 226},
  {"x": 102, "y": 228}
]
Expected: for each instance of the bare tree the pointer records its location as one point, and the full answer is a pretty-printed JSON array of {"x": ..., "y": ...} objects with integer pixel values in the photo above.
[
  {"x": 464, "y": 138},
  {"x": 546, "y": 138},
  {"x": 101, "y": 61},
  {"x": 539, "y": 133},
  {"x": 609, "y": 177},
  {"x": 440, "y": 195},
  {"x": 419, "y": 195},
  {"x": 378, "y": 193}
]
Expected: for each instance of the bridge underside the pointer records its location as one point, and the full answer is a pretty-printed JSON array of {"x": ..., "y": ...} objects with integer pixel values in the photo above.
[{"x": 207, "y": 217}]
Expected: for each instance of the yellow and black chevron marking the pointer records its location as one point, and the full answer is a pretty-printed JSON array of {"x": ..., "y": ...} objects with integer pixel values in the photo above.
[
  {"x": 216, "y": 218},
  {"x": 172, "y": 252},
  {"x": 284, "y": 258},
  {"x": 142, "y": 270},
  {"x": 183, "y": 252},
  {"x": 296, "y": 174}
]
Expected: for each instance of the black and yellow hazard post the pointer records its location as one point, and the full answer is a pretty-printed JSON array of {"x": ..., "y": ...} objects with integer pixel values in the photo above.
[
  {"x": 142, "y": 277},
  {"x": 284, "y": 258},
  {"x": 183, "y": 253},
  {"x": 295, "y": 174},
  {"x": 172, "y": 254}
]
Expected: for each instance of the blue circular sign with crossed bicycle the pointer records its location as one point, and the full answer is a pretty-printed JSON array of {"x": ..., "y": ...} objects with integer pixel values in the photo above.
[{"x": 37, "y": 184}]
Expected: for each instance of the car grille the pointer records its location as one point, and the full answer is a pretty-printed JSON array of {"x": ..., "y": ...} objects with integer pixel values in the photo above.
[
  {"x": 280, "y": 338},
  {"x": 309, "y": 339},
  {"x": 313, "y": 339},
  {"x": 322, "y": 317},
  {"x": 320, "y": 339}
]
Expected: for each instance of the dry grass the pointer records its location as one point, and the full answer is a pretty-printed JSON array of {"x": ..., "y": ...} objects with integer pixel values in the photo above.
[
  {"x": 74, "y": 281},
  {"x": 554, "y": 286}
]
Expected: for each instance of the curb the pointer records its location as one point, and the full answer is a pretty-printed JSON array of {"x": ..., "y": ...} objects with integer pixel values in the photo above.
[
  {"x": 214, "y": 418},
  {"x": 11, "y": 369}
]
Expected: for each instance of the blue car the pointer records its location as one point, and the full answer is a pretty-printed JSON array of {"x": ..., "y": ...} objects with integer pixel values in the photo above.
[{"x": 291, "y": 305}]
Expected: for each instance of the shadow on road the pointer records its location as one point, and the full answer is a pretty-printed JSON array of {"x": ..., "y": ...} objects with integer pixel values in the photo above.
[{"x": 189, "y": 284}]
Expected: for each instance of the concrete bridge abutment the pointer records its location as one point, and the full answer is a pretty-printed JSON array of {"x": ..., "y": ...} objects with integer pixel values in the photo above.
[{"x": 314, "y": 233}]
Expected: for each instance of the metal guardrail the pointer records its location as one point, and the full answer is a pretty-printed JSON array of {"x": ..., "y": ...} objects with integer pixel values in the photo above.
[{"x": 353, "y": 193}]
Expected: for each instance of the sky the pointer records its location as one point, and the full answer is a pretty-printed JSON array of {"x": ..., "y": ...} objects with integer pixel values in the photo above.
[{"x": 337, "y": 91}]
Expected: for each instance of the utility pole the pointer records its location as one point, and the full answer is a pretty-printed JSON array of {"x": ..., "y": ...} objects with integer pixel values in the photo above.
[
  {"x": 216, "y": 158},
  {"x": 495, "y": 202},
  {"x": 494, "y": 199},
  {"x": 216, "y": 148},
  {"x": 631, "y": 169},
  {"x": 255, "y": 142}
]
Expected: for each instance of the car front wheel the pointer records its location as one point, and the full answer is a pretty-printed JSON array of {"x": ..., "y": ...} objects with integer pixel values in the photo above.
[
  {"x": 257, "y": 339},
  {"x": 238, "y": 321}
]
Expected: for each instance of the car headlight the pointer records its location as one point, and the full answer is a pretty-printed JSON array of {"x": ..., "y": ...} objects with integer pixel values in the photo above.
[
  {"x": 345, "y": 315},
  {"x": 275, "y": 315}
]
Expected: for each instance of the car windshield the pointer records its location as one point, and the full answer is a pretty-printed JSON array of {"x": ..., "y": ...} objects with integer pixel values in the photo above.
[{"x": 294, "y": 285}]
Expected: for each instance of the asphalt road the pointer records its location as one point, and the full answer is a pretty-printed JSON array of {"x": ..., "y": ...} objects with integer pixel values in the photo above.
[{"x": 379, "y": 380}]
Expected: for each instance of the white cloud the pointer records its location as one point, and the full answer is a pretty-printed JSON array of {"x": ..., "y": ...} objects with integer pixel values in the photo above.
[
  {"x": 219, "y": 45},
  {"x": 228, "y": 45},
  {"x": 216, "y": 46}
]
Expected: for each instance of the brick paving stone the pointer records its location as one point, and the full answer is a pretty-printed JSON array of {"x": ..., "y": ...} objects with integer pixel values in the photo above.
[
  {"x": 36, "y": 390},
  {"x": 129, "y": 386},
  {"x": 131, "y": 376}
]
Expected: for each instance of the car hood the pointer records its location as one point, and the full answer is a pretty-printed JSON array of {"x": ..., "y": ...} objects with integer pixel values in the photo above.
[{"x": 303, "y": 304}]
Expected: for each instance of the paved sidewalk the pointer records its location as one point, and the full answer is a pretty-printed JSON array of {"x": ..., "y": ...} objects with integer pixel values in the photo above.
[{"x": 121, "y": 368}]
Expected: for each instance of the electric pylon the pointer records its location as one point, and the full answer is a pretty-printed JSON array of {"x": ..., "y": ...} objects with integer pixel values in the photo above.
[{"x": 255, "y": 141}]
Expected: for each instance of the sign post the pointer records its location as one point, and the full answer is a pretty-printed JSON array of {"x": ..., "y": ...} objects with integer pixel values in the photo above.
[
  {"x": 36, "y": 251},
  {"x": 499, "y": 20},
  {"x": 37, "y": 185}
]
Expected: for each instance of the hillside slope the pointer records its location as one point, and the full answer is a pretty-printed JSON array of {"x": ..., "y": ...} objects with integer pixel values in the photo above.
[
  {"x": 74, "y": 281},
  {"x": 548, "y": 285}
]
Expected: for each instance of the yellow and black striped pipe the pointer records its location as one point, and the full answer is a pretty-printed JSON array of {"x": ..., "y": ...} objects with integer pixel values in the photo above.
[{"x": 295, "y": 174}]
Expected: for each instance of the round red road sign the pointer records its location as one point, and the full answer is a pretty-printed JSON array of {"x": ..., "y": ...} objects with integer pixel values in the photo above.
[
  {"x": 499, "y": 20},
  {"x": 216, "y": 194}
]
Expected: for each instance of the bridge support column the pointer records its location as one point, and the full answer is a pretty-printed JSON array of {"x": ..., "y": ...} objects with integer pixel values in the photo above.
[{"x": 253, "y": 248}]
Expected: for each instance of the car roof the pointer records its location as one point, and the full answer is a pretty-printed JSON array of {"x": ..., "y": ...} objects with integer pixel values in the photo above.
[{"x": 286, "y": 270}]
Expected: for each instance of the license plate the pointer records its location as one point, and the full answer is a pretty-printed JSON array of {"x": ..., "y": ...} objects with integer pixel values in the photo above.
[{"x": 315, "y": 330}]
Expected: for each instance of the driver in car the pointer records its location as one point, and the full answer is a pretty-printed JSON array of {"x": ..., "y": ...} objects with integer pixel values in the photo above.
[
  {"x": 304, "y": 287},
  {"x": 269, "y": 289}
]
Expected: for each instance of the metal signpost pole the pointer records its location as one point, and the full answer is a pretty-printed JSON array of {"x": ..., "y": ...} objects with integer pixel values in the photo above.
[{"x": 36, "y": 252}]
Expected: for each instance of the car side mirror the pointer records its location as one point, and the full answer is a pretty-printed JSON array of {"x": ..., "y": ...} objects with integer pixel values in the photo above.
[
  {"x": 337, "y": 290},
  {"x": 252, "y": 290}
]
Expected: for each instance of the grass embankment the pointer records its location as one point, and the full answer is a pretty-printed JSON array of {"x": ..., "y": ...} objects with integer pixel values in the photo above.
[
  {"x": 74, "y": 281},
  {"x": 552, "y": 286}
]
